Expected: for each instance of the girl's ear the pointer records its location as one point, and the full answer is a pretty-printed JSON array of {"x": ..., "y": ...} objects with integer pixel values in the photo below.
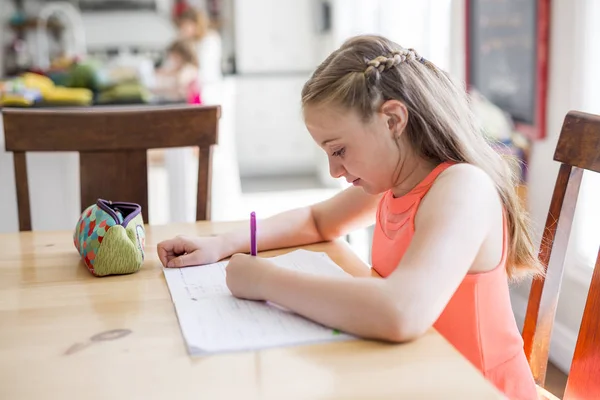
[{"x": 396, "y": 115}]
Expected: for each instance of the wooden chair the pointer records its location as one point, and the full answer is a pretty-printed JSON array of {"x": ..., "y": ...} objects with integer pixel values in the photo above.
[
  {"x": 578, "y": 149},
  {"x": 112, "y": 143}
]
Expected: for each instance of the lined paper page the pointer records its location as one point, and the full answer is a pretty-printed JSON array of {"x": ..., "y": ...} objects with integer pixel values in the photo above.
[
  {"x": 212, "y": 320},
  {"x": 195, "y": 283}
]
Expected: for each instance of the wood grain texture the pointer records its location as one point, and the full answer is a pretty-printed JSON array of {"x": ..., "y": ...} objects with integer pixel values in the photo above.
[
  {"x": 579, "y": 141},
  {"x": 543, "y": 297},
  {"x": 115, "y": 176},
  {"x": 112, "y": 143},
  {"x": 50, "y": 307},
  {"x": 22, "y": 183},
  {"x": 108, "y": 128},
  {"x": 583, "y": 382},
  {"x": 203, "y": 206}
]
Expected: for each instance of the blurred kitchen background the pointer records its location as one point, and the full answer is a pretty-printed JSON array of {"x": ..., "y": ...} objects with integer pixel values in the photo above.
[
  {"x": 106, "y": 52},
  {"x": 260, "y": 52}
]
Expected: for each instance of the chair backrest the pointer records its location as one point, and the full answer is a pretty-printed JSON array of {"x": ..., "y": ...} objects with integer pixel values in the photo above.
[
  {"x": 112, "y": 143},
  {"x": 578, "y": 149}
]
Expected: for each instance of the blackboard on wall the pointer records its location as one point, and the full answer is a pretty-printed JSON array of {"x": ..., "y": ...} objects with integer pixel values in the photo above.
[{"x": 507, "y": 52}]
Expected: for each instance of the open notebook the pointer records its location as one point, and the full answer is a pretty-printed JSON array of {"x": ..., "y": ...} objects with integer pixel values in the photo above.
[{"x": 214, "y": 321}]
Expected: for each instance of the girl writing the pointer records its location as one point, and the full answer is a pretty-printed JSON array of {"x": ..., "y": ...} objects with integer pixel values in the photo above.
[{"x": 449, "y": 228}]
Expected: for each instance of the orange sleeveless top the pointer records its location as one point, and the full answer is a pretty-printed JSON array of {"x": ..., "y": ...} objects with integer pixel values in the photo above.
[{"x": 478, "y": 320}]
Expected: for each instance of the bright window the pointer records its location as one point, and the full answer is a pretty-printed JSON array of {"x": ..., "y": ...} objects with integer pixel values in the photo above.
[{"x": 586, "y": 229}]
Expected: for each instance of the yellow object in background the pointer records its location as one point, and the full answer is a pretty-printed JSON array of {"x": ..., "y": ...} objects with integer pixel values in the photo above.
[
  {"x": 69, "y": 95},
  {"x": 14, "y": 94},
  {"x": 14, "y": 100},
  {"x": 52, "y": 94},
  {"x": 39, "y": 82}
]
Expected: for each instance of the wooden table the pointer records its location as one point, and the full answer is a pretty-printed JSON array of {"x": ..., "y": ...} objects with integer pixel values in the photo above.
[{"x": 49, "y": 302}]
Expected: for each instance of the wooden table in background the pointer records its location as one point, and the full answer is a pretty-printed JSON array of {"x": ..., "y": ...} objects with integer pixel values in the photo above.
[{"x": 49, "y": 302}]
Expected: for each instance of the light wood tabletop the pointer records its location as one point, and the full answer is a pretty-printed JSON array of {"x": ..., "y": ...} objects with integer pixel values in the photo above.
[{"x": 50, "y": 304}]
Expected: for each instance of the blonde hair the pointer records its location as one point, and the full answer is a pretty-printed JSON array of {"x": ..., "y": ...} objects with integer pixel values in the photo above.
[
  {"x": 196, "y": 17},
  {"x": 186, "y": 50},
  {"x": 368, "y": 70}
]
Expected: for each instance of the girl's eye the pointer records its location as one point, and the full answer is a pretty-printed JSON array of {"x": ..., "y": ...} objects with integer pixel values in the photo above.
[{"x": 339, "y": 153}]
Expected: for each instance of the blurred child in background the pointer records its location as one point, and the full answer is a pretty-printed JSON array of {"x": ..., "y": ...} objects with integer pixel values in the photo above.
[
  {"x": 177, "y": 80},
  {"x": 194, "y": 26}
]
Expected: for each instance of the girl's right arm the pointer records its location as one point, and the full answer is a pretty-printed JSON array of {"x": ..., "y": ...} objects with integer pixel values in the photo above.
[{"x": 346, "y": 211}]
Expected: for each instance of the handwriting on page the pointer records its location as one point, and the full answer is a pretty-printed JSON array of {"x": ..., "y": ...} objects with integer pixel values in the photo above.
[
  {"x": 212, "y": 320},
  {"x": 230, "y": 324},
  {"x": 207, "y": 280}
]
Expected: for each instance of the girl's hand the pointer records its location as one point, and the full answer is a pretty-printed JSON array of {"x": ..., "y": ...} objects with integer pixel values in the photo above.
[
  {"x": 183, "y": 251},
  {"x": 246, "y": 275}
]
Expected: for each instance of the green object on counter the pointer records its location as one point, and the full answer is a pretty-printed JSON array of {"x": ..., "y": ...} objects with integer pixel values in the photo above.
[
  {"x": 83, "y": 75},
  {"x": 124, "y": 92}
]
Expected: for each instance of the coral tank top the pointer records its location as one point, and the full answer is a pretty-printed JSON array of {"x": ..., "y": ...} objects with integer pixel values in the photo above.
[{"x": 478, "y": 320}]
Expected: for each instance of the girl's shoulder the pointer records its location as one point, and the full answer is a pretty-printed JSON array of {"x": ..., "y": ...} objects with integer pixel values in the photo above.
[
  {"x": 460, "y": 182},
  {"x": 464, "y": 174}
]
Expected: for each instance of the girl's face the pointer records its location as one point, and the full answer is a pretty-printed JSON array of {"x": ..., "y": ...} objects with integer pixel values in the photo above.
[
  {"x": 187, "y": 29},
  {"x": 366, "y": 154},
  {"x": 174, "y": 60}
]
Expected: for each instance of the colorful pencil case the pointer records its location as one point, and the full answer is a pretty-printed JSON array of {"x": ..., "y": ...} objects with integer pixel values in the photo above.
[{"x": 110, "y": 238}]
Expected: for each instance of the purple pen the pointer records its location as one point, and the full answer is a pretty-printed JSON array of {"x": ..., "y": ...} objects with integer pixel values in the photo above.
[{"x": 253, "y": 233}]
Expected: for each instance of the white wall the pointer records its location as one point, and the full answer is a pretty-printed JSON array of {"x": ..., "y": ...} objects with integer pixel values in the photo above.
[
  {"x": 272, "y": 36},
  {"x": 270, "y": 133},
  {"x": 422, "y": 25}
]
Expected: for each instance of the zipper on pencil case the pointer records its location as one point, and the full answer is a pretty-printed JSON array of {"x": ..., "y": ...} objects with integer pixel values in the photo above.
[{"x": 107, "y": 205}]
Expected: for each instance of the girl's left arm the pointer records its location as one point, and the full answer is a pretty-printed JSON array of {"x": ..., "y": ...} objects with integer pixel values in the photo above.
[{"x": 452, "y": 223}]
